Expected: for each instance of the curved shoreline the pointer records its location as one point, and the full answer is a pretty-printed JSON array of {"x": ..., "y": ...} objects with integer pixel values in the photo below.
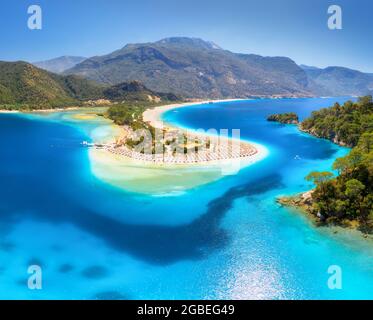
[
  {"x": 160, "y": 178},
  {"x": 148, "y": 177},
  {"x": 224, "y": 149},
  {"x": 154, "y": 115}
]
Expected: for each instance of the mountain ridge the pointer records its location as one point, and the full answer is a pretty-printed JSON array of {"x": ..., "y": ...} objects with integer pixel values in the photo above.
[
  {"x": 196, "y": 68},
  {"x": 328, "y": 81}
]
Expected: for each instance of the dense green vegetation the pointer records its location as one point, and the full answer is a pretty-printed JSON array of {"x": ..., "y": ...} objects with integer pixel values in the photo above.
[
  {"x": 286, "y": 118},
  {"x": 79, "y": 88},
  {"x": 130, "y": 113},
  {"x": 131, "y": 99},
  {"x": 349, "y": 196},
  {"x": 23, "y": 86},
  {"x": 136, "y": 91},
  {"x": 342, "y": 124},
  {"x": 26, "y": 87}
]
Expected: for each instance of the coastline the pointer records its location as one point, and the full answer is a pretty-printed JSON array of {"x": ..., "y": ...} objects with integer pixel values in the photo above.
[
  {"x": 234, "y": 149},
  {"x": 302, "y": 203},
  {"x": 9, "y": 111},
  {"x": 153, "y": 116},
  {"x": 146, "y": 177},
  {"x": 51, "y": 110},
  {"x": 164, "y": 178},
  {"x": 157, "y": 178}
]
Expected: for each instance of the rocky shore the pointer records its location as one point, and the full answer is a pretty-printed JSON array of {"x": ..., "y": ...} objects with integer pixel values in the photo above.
[{"x": 303, "y": 203}]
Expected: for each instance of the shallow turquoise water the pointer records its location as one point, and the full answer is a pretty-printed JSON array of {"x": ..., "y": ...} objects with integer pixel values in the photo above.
[{"x": 227, "y": 239}]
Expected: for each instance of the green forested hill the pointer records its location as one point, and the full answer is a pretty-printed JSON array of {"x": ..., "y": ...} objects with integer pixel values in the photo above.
[
  {"x": 342, "y": 124},
  {"x": 350, "y": 194},
  {"x": 136, "y": 91},
  {"x": 79, "y": 88},
  {"x": 24, "y": 86}
]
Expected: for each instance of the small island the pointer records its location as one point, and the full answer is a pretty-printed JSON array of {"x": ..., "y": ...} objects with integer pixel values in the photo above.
[{"x": 284, "y": 118}]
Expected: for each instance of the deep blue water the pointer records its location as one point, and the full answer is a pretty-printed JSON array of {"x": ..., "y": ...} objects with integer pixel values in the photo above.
[{"x": 227, "y": 239}]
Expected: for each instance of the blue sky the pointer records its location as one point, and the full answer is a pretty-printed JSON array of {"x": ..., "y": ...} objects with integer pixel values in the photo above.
[{"x": 293, "y": 28}]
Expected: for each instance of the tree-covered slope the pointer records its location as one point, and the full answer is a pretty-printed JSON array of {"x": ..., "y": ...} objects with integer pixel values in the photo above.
[
  {"x": 341, "y": 124},
  {"x": 136, "y": 91},
  {"x": 24, "y": 86},
  {"x": 349, "y": 196},
  {"x": 79, "y": 88},
  {"x": 22, "y": 83}
]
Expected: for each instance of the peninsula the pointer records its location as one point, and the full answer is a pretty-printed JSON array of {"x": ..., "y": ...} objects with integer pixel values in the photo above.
[{"x": 175, "y": 145}]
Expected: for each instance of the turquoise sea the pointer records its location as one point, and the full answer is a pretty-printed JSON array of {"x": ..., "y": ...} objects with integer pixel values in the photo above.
[{"x": 224, "y": 240}]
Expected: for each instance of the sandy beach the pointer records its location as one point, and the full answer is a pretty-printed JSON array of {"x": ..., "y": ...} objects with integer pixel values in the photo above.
[
  {"x": 245, "y": 151},
  {"x": 135, "y": 175},
  {"x": 227, "y": 152},
  {"x": 165, "y": 178},
  {"x": 154, "y": 116},
  {"x": 9, "y": 111}
]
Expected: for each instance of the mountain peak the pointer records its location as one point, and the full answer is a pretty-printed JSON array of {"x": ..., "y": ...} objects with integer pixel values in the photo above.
[
  {"x": 186, "y": 41},
  {"x": 306, "y": 67}
]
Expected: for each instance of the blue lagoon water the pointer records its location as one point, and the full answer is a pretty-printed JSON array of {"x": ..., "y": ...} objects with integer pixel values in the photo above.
[{"x": 227, "y": 239}]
